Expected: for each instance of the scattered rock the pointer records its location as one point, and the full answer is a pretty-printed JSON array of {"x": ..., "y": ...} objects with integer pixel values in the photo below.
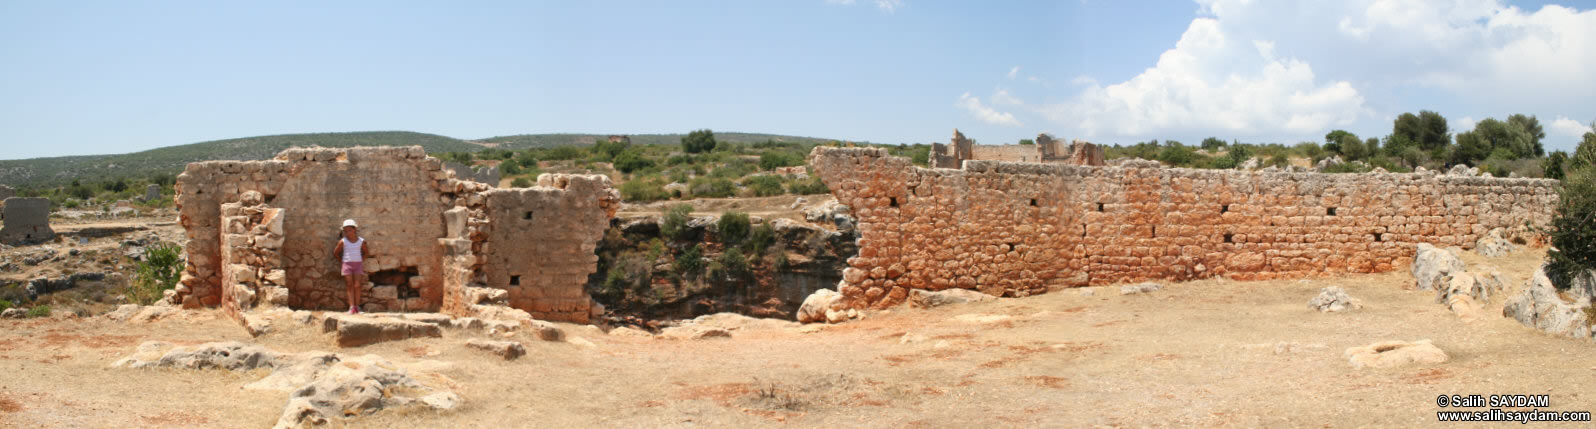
[
  {"x": 626, "y": 331},
  {"x": 919, "y": 298},
  {"x": 44, "y": 285},
  {"x": 1139, "y": 288},
  {"x": 547, "y": 331},
  {"x": 825, "y": 305},
  {"x": 1431, "y": 264},
  {"x": 509, "y": 350},
  {"x": 1386, "y": 354},
  {"x": 1539, "y": 306},
  {"x": 1334, "y": 299},
  {"x": 14, "y": 313},
  {"x": 1494, "y": 244}
]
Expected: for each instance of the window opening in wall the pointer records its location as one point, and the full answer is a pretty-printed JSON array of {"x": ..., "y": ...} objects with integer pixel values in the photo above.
[
  {"x": 1033, "y": 202},
  {"x": 894, "y": 201},
  {"x": 1229, "y": 238},
  {"x": 1330, "y": 211},
  {"x": 527, "y": 216},
  {"x": 1011, "y": 246},
  {"x": 1378, "y": 236},
  {"x": 1099, "y": 206},
  {"x": 399, "y": 278},
  {"x": 1154, "y": 229},
  {"x": 1083, "y": 230},
  {"x": 515, "y": 280},
  {"x": 1224, "y": 208}
]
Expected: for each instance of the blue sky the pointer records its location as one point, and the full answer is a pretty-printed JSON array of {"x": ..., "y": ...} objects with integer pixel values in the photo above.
[{"x": 112, "y": 77}]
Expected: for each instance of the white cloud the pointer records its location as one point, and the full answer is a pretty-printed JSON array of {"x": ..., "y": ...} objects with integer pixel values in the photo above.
[
  {"x": 1465, "y": 124},
  {"x": 1210, "y": 83},
  {"x": 985, "y": 113},
  {"x": 1014, "y": 72},
  {"x": 1002, "y": 97},
  {"x": 889, "y": 5},
  {"x": 1570, "y": 127}
]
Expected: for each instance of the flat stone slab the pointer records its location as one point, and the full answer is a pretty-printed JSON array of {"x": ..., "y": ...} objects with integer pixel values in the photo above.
[{"x": 351, "y": 330}]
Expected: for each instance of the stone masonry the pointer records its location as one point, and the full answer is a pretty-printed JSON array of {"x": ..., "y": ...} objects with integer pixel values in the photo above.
[
  {"x": 1018, "y": 229},
  {"x": 1047, "y": 149},
  {"x": 430, "y": 234},
  {"x": 27, "y": 221}
]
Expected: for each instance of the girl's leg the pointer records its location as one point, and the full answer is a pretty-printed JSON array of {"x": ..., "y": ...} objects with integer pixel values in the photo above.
[
  {"x": 349, "y": 290},
  {"x": 360, "y": 283}
]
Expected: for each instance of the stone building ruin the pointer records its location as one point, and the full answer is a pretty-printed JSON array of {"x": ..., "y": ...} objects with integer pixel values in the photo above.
[
  {"x": 1017, "y": 229},
  {"x": 1046, "y": 150},
  {"x": 261, "y": 233},
  {"x": 27, "y": 221}
]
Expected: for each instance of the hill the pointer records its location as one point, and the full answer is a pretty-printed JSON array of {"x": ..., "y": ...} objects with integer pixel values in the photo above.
[
  {"x": 55, "y": 171},
  {"x": 527, "y": 141},
  {"x": 61, "y": 170}
]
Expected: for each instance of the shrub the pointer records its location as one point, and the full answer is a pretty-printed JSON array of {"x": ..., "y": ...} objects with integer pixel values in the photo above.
[
  {"x": 698, "y": 141},
  {"x": 1573, "y": 228},
  {"x": 40, "y": 311},
  {"x": 734, "y": 264},
  {"x": 732, "y": 227},
  {"x": 1177, "y": 155},
  {"x": 760, "y": 238},
  {"x": 773, "y": 160},
  {"x": 763, "y": 186},
  {"x": 4, "y": 304},
  {"x": 632, "y": 160},
  {"x": 810, "y": 186},
  {"x": 1553, "y": 167},
  {"x": 643, "y": 191},
  {"x": 564, "y": 153},
  {"x": 713, "y": 188},
  {"x": 607, "y": 150},
  {"x": 520, "y": 182},
  {"x": 674, "y": 223},
  {"x": 689, "y": 262},
  {"x": 160, "y": 270}
]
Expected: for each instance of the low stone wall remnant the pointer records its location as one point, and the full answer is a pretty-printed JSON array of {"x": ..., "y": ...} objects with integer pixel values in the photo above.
[{"x": 1014, "y": 229}]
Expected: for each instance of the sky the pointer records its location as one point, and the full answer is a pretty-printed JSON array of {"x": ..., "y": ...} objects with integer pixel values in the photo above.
[{"x": 84, "y": 77}]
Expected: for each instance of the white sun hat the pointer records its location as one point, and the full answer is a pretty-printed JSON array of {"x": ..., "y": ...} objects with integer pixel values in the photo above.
[{"x": 350, "y": 222}]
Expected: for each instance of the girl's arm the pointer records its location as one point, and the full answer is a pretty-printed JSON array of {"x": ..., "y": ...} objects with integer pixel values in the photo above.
[
  {"x": 365, "y": 250},
  {"x": 338, "y": 251}
]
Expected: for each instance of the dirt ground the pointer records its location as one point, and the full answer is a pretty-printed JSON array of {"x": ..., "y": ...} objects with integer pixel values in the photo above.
[{"x": 1205, "y": 353}]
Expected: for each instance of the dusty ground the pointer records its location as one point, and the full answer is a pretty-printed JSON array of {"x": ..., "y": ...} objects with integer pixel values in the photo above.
[{"x": 1193, "y": 354}]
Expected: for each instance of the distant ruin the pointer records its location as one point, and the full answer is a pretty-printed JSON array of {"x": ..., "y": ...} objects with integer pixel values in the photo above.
[
  {"x": 1045, "y": 150},
  {"x": 485, "y": 174},
  {"x": 262, "y": 233},
  {"x": 27, "y": 221},
  {"x": 1016, "y": 229}
]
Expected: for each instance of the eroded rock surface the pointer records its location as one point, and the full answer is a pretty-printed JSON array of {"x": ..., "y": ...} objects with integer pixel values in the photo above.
[
  {"x": 928, "y": 299},
  {"x": 1334, "y": 299},
  {"x": 1540, "y": 306},
  {"x": 1431, "y": 264},
  {"x": 1387, "y": 354}
]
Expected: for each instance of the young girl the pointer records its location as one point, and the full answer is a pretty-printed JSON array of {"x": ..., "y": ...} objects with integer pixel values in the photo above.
[{"x": 353, "y": 251}]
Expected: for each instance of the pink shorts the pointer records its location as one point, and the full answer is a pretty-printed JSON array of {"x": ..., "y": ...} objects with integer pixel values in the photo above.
[{"x": 353, "y": 268}]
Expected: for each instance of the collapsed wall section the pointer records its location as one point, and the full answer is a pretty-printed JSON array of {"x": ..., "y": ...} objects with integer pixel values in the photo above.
[{"x": 1019, "y": 229}]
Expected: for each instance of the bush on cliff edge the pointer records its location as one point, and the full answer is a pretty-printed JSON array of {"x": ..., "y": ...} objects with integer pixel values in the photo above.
[{"x": 1573, "y": 228}]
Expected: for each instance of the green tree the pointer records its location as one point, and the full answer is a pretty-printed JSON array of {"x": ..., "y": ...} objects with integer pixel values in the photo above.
[
  {"x": 1471, "y": 148},
  {"x": 609, "y": 150},
  {"x": 1427, "y": 130},
  {"x": 1353, "y": 148},
  {"x": 1585, "y": 153},
  {"x": 1027, "y": 142},
  {"x": 1573, "y": 228},
  {"x": 699, "y": 141},
  {"x": 1532, "y": 129},
  {"x": 1334, "y": 139},
  {"x": 1213, "y": 144},
  {"x": 772, "y": 160},
  {"x": 763, "y": 185},
  {"x": 520, "y": 182}
]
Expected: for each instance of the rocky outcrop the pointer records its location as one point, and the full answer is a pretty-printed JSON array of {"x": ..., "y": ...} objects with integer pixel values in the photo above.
[
  {"x": 826, "y": 306},
  {"x": 325, "y": 387},
  {"x": 1334, "y": 299},
  {"x": 1431, "y": 264},
  {"x": 1494, "y": 244},
  {"x": 1387, "y": 354},
  {"x": 1139, "y": 288},
  {"x": 1540, "y": 306},
  {"x": 509, "y": 350},
  {"x": 928, "y": 299},
  {"x": 354, "y": 330}
]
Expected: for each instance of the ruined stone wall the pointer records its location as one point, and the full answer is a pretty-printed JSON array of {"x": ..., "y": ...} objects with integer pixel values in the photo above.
[
  {"x": 27, "y": 221},
  {"x": 540, "y": 247},
  {"x": 400, "y": 197},
  {"x": 1018, "y": 229},
  {"x": 1007, "y": 152}
]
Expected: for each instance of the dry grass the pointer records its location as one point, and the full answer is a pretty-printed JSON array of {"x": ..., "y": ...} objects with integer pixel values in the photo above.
[{"x": 1188, "y": 355}]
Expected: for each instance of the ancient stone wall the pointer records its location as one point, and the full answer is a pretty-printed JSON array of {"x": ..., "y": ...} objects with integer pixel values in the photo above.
[
  {"x": 27, "y": 220},
  {"x": 1007, "y": 152},
  {"x": 1018, "y": 229},
  {"x": 400, "y": 198},
  {"x": 1046, "y": 149},
  {"x": 540, "y": 247}
]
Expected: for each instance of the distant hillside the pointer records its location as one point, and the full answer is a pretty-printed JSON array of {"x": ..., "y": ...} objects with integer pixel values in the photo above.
[
  {"x": 91, "y": 168},
  {"x": 171, "y": 159},
  {"x": 525, "y": 141}
]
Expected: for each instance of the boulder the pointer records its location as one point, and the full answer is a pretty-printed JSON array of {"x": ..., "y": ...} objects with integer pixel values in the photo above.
[
  {"x": 1431, "y": 264},
  {"x": 14, "y": 313},
  {"x": 509, "y": 350},
  {"x": 229, "y": 355},
  {"x": 1479, "y": 287},
  {"x": 821, "y": 306},
  {"x": 1494, "y": 244},
  {"x": 1139, "y": 288},
  {"x": 354, "y": 330},
  {"x": 1386, "y": 354},
  {"x": 927, "y": 299},
  {"x": 355, "y": 387},
  {"x": 1539, "y": 306},
  {"x": 1334, "y": 299}
]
